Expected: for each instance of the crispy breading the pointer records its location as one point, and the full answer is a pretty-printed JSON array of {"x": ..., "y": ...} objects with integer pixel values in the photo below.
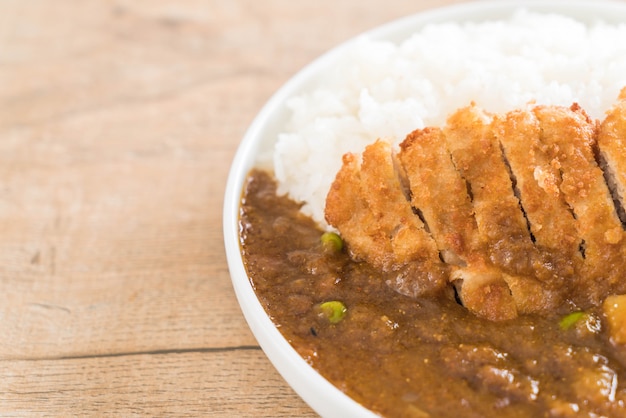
[
  {"x": 569, "y": 136},
  {"x": 537, "y": 180},
  {"x": 512, "y": 210},
  {"x": 471, "y": 137},
  {"x": 501, "y": 224},
  {"x": 440, "y": 194},
  {"x": 367, "y": 204},
  {"x": 611, "y": 153},
  {"x": 612, "y": 147}
]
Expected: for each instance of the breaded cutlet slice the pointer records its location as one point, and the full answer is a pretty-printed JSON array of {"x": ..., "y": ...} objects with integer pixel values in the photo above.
[
  {"x": 367, "y": 204},
  {"x": 500, "y": 220},
  {"x": 537, "y": 181},
  {"x": 501, "y": 224},
  {"x": 517, "y": 212},
  {"x": 440, "y": 194},
  {"x": 612, "y": 152},
  {"x": 568, "y": 138},
  {"x": 611, "y": 149}
]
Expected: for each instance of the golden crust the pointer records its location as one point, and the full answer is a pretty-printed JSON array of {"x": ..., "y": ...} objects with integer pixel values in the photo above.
[
  {"x": 569, "y": 137},
  {"x": 537, "y": 181},
  {"x": 513, "y": 210},
  {"x": 440, "y": 193},
  {"x": 367, "y": 204}
]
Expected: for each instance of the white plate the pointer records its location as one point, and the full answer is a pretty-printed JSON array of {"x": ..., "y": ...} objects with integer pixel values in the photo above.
[{"x": 321, "y": 395}]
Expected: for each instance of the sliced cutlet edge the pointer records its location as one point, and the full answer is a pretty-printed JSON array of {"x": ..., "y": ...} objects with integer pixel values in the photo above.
[
  {"x": 347, "y": 210},
  {"x": 569, "y": 137},
  {"x": 501, "y": 225},
  {"x": 439, "y": 194},
  {"x": 611, "y": 153},
  {"x": 366, "y": 203},
  {"x": 536, "y": 183},
  {"x": 500, "y": 221},
  {"x": 611, "y": 156},
  {"x": 417, "y": 268}
]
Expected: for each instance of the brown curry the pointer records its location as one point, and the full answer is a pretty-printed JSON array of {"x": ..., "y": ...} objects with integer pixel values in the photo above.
[{"x": 420, "y": 356}]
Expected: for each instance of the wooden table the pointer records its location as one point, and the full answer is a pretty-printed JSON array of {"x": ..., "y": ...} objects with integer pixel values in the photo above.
[{"x": 118, "y": 122}]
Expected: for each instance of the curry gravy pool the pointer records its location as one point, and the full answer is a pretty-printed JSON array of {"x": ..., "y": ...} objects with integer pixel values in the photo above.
[{"x": 400, "y": 356}]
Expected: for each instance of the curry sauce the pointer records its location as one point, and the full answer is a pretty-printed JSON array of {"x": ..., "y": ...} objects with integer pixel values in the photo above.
[{"x": 404, "y": 356}]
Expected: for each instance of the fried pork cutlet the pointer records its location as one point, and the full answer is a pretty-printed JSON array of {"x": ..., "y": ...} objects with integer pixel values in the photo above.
[
  {"x": 569, "y": 137},
  {"x": 611, "y": 153},
  {"x": 367, "y": 204},
  {"x": 502, "y": 227},
  {"x": 536, "y": 179},
  {"x": 440, "y": 193},
  {"x": 510, "y": 210}
]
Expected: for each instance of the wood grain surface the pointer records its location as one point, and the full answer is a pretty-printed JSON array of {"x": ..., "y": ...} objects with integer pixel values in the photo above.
[{"x": 118, "y": 122}]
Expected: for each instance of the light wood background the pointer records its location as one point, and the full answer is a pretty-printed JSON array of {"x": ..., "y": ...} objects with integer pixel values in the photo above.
[{"x": 118, "y": 122}]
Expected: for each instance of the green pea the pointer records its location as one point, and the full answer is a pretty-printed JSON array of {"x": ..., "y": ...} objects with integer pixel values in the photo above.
[
  {"x": 333, "y": 310},
  {"x": 571, "y": 319},
  {"x": 332, "y": 241}
]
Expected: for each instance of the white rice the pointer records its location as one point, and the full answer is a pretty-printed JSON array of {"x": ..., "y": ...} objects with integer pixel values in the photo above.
[{"x": 386, "y": 90}]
